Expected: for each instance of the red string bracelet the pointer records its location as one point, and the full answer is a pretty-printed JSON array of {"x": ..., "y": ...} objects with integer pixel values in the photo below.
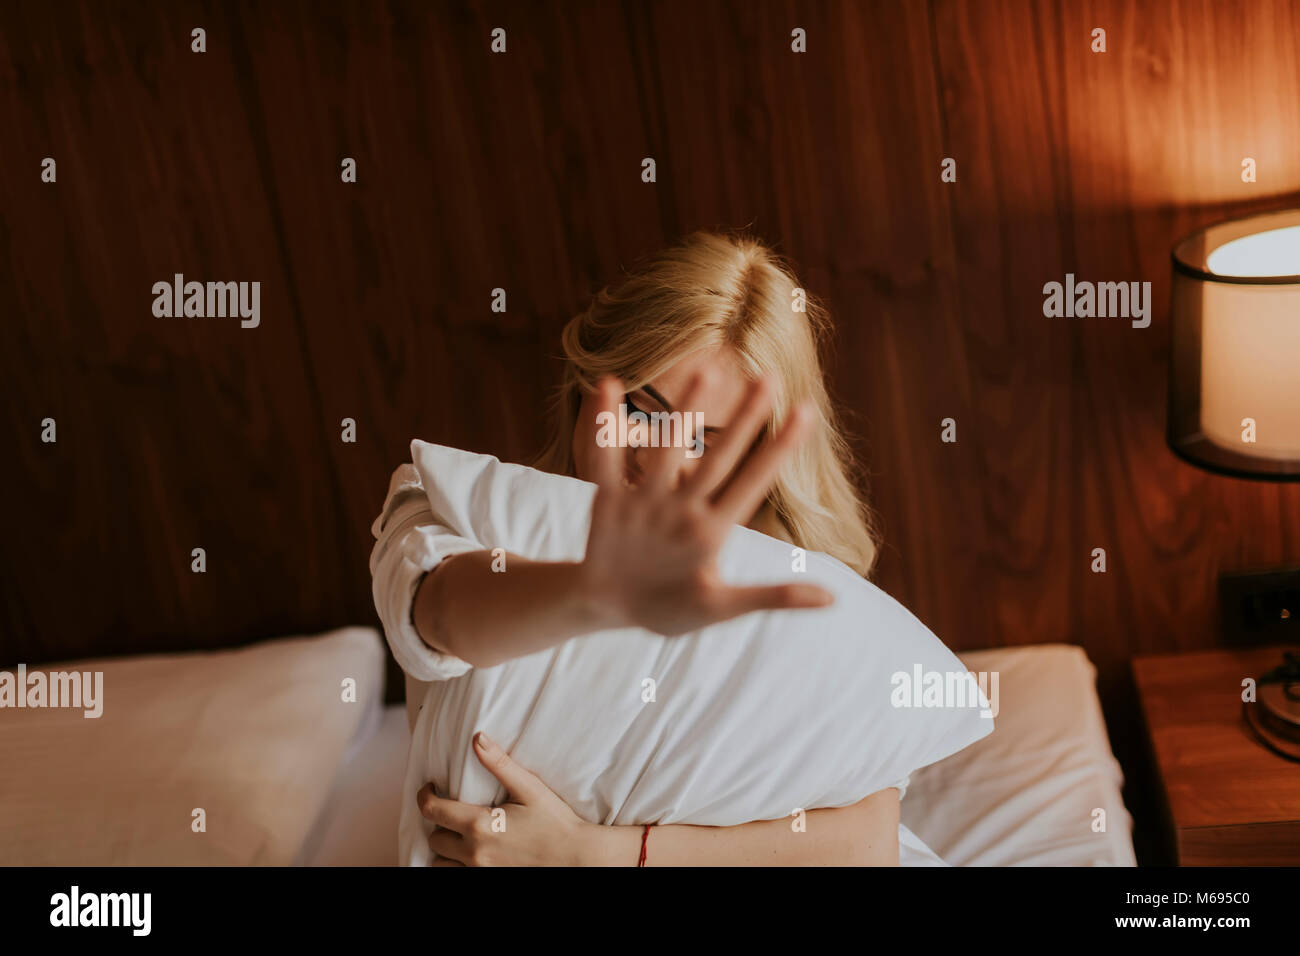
[{"x": 645, "y": 834}]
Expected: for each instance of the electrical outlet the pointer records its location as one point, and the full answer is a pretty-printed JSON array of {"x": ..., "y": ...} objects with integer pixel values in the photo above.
[{"x": 1260, "y": 607}]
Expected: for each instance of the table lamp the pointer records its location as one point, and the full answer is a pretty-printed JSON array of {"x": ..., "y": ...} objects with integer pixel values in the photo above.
[
  {"x": 1234, "y": 409},
  {"x": 1234, "y": 383}
]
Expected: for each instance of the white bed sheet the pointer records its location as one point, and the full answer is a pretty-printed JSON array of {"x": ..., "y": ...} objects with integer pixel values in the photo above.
[
  {"x": 1024, "y": 795},
  {"x": 358, "y": 826}
]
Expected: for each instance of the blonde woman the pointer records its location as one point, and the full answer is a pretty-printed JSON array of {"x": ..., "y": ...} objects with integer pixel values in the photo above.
[{"x": 708, "y": 326}]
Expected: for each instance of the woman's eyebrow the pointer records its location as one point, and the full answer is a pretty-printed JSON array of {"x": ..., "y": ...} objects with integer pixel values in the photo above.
[{"x": 654, "y": 393}]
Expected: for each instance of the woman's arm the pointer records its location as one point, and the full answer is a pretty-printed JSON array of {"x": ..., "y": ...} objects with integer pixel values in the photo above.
[
  {"x": 539, "y": 829},
  {"x": 650, "y": 559},
  {"x": 486, "y": 617},
  {"x": 863, "y": 834}
]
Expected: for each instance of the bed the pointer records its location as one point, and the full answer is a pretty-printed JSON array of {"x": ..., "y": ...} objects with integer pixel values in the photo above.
[
  {"x": 283, "y": 752},
  {"x": 1026, "y": 795}
]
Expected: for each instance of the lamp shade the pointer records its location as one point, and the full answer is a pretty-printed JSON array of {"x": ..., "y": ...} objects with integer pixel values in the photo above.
[{"x": 1234, "y": 382}]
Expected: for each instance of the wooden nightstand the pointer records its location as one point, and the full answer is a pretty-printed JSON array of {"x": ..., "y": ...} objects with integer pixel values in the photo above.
[{"x": 1231, "y": 801}]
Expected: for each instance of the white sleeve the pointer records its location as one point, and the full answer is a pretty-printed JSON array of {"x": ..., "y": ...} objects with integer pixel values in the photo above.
[
  {"x": 410, "y": 541},
  {"x": 902, "y": 787}
]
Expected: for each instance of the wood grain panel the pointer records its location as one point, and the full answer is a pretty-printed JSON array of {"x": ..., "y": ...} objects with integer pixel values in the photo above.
[{"x": 522, "y": 171}]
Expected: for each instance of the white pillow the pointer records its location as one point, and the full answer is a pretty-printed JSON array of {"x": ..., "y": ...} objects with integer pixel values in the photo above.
[{"x": 750, "y": 719}]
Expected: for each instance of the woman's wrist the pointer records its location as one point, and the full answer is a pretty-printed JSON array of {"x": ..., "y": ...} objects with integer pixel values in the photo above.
[
  {"x": 600, "y": 845},
  {"x": 595, "y": 600}
]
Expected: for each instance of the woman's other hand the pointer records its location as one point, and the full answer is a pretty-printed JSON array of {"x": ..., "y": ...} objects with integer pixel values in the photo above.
[
  {"x": 536, "y": 829},
  {"x": 652, "y": 549}
]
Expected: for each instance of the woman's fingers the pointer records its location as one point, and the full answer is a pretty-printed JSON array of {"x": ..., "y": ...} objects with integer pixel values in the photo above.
[
  {"x": 448, "y": 814},
  {"x": 663, "y": 464},
  {"x": 607, "y": 458},
  {"x": 747, "y": 489},
  {"x": 721, "y": 459},
  {"x": 451, "y": 848},
  {"x": 733, "y": 602},
  {"x": 521, "y": 784}
]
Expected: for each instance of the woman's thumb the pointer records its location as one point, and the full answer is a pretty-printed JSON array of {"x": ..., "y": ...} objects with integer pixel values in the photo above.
[{"x": 775, "y": 597}]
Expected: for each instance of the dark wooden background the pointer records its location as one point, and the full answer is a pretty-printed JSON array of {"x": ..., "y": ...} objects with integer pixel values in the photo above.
[{"x": 523, "y": 171}]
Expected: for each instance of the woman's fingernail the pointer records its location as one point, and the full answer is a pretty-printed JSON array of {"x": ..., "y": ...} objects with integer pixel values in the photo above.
[{"x": 482, "y": 740}]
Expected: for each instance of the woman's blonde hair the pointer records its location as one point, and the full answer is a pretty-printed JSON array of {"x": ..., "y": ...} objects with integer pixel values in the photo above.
[{"x": 714, "y": 290}]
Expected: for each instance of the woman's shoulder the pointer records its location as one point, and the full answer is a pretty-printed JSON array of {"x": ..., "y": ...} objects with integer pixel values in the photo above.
[
  {"x": 404, "y": 478},
  {"x": 403, "y": 484}
]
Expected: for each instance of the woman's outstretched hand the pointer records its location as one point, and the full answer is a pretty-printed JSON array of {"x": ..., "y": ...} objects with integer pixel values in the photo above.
[{"x": 652, "y": 550}]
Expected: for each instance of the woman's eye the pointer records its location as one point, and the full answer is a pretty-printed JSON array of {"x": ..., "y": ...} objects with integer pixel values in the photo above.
[{"x": 633, "y": 407}]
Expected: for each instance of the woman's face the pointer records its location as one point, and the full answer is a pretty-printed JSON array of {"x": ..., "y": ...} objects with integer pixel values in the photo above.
[{"x": 719, "y": 402}]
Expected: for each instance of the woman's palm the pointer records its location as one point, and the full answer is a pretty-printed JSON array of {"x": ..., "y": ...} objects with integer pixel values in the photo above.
[{"x": 652, "y": 550}]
